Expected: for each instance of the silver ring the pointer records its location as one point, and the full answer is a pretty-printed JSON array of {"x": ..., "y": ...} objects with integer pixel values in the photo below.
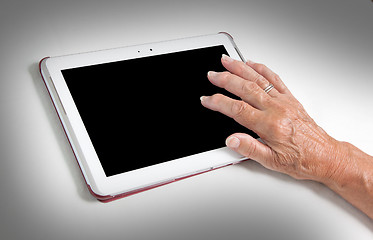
[{"x": 269, "y": 88}]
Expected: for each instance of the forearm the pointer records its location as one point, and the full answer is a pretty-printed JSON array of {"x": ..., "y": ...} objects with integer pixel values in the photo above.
[{"x": 353, "y": 179}]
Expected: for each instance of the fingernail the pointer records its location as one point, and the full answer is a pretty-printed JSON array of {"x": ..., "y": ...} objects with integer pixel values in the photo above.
[
  {"x": 250, "y": 62},
  {"x": 227, "y": 58},
  {"x": 211, "y": 73},
  {"x": 203, "y": 98},
  {"x": 232, "y": 142}
]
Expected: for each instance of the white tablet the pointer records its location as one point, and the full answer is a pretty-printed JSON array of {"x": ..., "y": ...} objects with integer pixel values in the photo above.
[{"x": 133, "y": 115}]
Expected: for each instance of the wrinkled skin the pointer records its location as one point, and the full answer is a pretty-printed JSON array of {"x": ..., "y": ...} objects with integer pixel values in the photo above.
[{"x": 294, "y": 143}]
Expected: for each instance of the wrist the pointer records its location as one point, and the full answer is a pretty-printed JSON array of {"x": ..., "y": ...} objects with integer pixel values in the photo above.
[
  {"x": 353, "y": 180},
  {"x": 347, "y": 171},
  {"x": 338, "y": 164}
]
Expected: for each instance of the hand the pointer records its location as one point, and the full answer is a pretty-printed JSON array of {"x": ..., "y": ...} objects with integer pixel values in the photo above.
[{"x": 294, "y": 143}]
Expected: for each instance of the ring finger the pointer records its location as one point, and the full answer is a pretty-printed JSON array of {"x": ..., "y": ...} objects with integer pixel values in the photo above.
[{"x": 246, "y": 72}]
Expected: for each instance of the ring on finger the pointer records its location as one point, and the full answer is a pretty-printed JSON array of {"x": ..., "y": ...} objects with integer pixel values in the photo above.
[{"x": 268, "y": 88}]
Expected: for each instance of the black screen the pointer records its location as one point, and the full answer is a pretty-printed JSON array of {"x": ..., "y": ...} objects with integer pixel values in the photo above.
[{"x": 145, "y": 111}]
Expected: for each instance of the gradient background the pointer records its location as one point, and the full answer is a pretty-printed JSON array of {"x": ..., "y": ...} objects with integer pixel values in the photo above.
[{"x": 321, "y": 49}]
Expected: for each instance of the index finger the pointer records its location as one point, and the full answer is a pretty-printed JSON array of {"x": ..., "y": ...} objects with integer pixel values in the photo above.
[{"x": 240, "y": 111}]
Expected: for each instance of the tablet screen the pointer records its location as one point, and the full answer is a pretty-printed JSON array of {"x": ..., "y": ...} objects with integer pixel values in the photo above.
[{"x": 145, "y": 111}]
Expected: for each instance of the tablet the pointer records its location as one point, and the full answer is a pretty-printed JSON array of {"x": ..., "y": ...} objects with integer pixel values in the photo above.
[{"x": 133, "y": 115}]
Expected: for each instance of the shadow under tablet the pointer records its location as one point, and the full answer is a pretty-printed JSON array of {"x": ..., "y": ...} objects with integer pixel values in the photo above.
[{"x": 150, "y": 107}]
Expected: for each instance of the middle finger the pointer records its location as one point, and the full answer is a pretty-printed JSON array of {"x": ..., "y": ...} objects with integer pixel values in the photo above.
[{"x": 248, "y": 91}]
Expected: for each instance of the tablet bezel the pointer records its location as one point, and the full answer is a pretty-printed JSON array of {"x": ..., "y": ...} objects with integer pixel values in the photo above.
[{"x": 79, "y": 138}]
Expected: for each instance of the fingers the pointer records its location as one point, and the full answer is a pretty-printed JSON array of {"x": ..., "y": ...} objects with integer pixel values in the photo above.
[
  {"x": 240, "y": 111},
  {"x": 248, "y": 91},
  {"x": 244, "y": 71},
  {"x": 267, "y": 73},
  {"x": 249, "y": 147}
]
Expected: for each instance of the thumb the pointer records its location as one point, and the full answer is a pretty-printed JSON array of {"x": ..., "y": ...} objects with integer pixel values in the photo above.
[{"x": 250, "y": 147}]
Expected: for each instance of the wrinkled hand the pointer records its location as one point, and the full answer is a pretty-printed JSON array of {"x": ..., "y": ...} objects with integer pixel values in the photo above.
[{"x": 294, "y": 143}]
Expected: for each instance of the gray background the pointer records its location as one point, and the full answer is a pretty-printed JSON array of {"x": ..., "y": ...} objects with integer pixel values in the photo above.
[{"x": 321, "y": 49}]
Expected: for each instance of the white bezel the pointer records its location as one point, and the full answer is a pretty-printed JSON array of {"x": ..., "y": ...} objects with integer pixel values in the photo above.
[{"x": 78, "y": 136}]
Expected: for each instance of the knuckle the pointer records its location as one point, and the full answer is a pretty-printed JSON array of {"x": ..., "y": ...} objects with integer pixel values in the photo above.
[
  {"x": 248, "y": 87},
  {"x": 216, "y": 99},
  {"x": 260, "y": 67},
  {"x": 238, "y": 109},
  {"x": 277, "y": 78},
  {"x": 225, "y": 77},
  {"x": 241, "y": 68},
  {"x": 285, "y": 126},
  {"x": 281, "y": 128},
  {"x": 259, "y": 79},
  {"x": 250, "y": 149}
]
